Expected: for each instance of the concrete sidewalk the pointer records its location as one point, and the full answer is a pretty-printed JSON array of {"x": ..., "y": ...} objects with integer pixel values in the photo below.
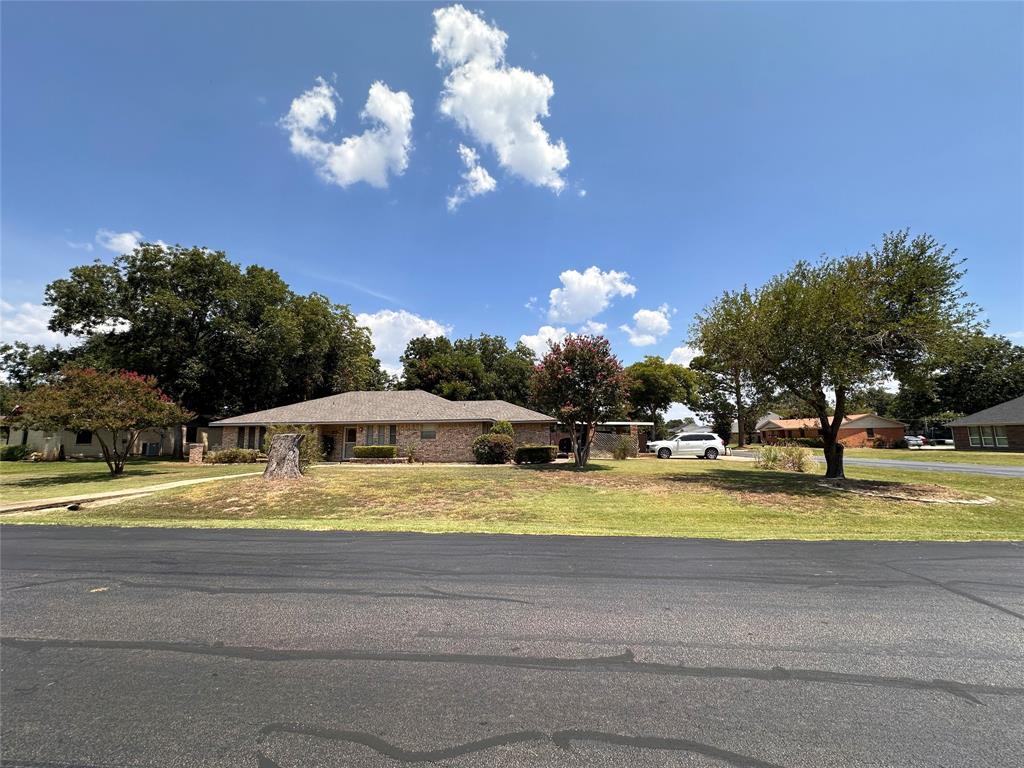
[{"x": 84, "y": 498}]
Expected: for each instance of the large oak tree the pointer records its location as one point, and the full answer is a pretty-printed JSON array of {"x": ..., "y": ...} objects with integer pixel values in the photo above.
[{"x": 842, "y": 325}]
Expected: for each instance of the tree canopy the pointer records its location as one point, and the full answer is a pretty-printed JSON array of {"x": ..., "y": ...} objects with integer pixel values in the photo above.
[
  {"x": 116, "y": 407},
  {"x": 844, "y": 325},
  {"x": 218, "y": 338},
  {"x": 653, "y": 385},
  {"x": 476, "y": 368},
  {"x": 581, "y": 383}
]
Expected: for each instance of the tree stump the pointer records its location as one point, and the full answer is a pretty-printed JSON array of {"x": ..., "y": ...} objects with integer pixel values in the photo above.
[{"x": 283, "y": 458}]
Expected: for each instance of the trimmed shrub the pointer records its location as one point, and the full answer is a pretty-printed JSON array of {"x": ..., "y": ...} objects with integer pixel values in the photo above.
[
  {"x": 879, "y": 442},
  {"x": 374, "y": 451},
  {"x": 503, "y": 428},
  {"x": 13, "y": 452},
  {"x": 535, "y": 454},
  {"x": 493, "y": 449},
  {"x": 901, "y": 443},
  {"x": 809, "y": 442},
  {"x": 624, "y": 448},
  {"x": 791, "y": 458},
  {"x": 233, "y": 456},
  {"x": 311, "y": 451}
]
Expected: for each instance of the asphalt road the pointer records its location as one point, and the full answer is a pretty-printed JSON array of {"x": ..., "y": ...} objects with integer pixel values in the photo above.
[
  {"x": 158, "y": 647},
  {"x": 923, "y": 466}
]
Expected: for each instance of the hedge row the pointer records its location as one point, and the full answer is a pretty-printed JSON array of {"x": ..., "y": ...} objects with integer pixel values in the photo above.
[
  {"x": 13, "y": 452},
  {"x": 535, "y": 454},
  {"x": 374, "y": 452}
]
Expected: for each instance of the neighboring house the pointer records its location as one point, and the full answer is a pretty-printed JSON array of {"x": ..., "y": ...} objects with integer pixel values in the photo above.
[
  {"x": 607, "y": 435},
  {"x": 857, "y": 430},
  {"x": 433, "y": 428},
  {"x": 999, "y": 428},
  {"x": 84, "y": 445},
  {"x": 753, "y": 433}
]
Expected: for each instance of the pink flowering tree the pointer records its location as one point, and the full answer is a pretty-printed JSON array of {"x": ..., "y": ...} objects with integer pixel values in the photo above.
[
  {"x": 581, "y": 383},
  {"x": 116, "y": 407}
]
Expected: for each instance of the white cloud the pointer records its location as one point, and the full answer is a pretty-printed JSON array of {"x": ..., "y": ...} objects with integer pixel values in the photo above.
[
  {"x": 78, "y": 246},
  {"x": 593, "y": 328},
  {"x": 475, "y": 180},
  {"x": 538, "y": 341},
  {"x": 683, "y": 355},
  {"x": 649, "y": 325},
  {"x": 585, "y": 294},
  {"x": 118, "y": 242},
  {"x": 27, "y": 322},
  {"x": 373, "y": 155},
  {"x": 391, "y": 330},
  {"x": 498, "y": 105}
]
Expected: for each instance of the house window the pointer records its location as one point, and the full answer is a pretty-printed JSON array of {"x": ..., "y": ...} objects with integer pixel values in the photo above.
[
  {"x": 486, "y": 427},
  {"x": 84, "y": 437},
  {"x": 1001, "y": 441},
  {"x": 975, "y": 436},
  {"x": 428, "y": 432},
  {"x": 871, "y": 431},
  {"x": 987, "y": 438},
  {"x": 381, "y": 434}
]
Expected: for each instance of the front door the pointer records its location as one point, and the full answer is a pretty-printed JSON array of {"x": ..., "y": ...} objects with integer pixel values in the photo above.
[{"x": 349, "y": 435}]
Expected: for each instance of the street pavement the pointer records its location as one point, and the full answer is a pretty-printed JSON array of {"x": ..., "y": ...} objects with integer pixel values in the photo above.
[
  {"x": 164, "y": 647},
  {"x": 922, "y": 466}
]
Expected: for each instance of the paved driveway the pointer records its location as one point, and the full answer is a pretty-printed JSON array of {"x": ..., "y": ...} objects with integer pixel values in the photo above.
[{"x": 152, "y": 647}]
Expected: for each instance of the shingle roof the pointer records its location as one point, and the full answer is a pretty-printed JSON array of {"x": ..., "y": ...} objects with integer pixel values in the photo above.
[
  {"x": 387, "y": 407},
  {"x": 813, "y": 423},
  {"x": 1010, "y": 412}
]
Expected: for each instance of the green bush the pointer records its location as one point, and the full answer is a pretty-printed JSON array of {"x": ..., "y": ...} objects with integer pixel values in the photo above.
[
  {"x": 374, "y": 451},
  {"x": 901, "y": 443},
  {"x": 791, "y": 458},
  {"x": 880, "y": 442},
  {"x": 503, "y": 428},
  {"x": 624, "y": 448},
  {"x": 311, "y": 450},
  {"x": 809, "y": 442},
  {"x": 535, "y": 454},
  {"x": 13, "y": 452},
  {"x": 493, "y": 448},
  {"x": 233, "y": 456}
]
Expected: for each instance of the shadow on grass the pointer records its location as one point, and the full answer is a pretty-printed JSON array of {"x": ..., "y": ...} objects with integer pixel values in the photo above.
[
  {"x": 760, "y": 482},
  {"x": 97, "y": 473},
  {"x": 567, "y": 466}
]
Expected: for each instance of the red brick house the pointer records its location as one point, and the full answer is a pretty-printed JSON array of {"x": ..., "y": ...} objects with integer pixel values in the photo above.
[
  {"x": 434, "y": 428},
  {"x": 858, "y": 430},
  {"x": 999, "y": 428}
]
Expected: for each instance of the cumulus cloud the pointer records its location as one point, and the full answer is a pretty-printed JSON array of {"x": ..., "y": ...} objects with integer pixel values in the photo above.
[
  {"x": 585, "y": 294},
  {"x": 683, "y": 355},
  {"x": 391, "y": 330},
  {"x": 498, "y": 105},
  {"x": 475, "y": 180},
  {"x": 372, "y": 156},
  {"x": 593, "y": 328},
  {"x": 538, "y": 341},
  {"x": 649, "y": 325},
  {"x": 118, "y": 242},
  {"x": 27, "y": 322}
]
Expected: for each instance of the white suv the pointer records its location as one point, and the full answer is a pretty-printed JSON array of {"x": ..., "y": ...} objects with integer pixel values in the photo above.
[{"x": 702, "y": 444}]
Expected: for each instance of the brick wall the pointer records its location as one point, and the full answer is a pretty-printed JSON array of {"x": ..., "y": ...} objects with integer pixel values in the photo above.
[
  {"x": 1014, "y": 438},
  {"x": 858, "y": 438}
]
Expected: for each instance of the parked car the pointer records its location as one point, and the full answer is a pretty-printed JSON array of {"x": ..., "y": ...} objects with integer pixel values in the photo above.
[
  {"x": 916, "y": 441},
  {"x": 702, "y": 444}
]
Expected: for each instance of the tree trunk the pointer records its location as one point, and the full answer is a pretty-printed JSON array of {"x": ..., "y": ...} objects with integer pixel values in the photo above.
[
  {"x": 581, "y": 446},
  {"x": 830, "y": 435},
  {"x": 283, "y": 457},
  {"x": 833, "y": 459},
  {"x": 740, "y": 420}
]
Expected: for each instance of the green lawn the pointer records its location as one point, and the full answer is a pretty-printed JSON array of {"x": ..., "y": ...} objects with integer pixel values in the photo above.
[
  {"x": 27, "y": 480},
  {"x": 999, "y": 458},
  {"x": 723, "y": 499}
]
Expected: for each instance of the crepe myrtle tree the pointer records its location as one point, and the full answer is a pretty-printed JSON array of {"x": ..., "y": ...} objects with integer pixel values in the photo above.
[
  {"x": 115, "y": 407},
  {"x": 842, "y": 325},
  {"x": 581, "y": 383}
]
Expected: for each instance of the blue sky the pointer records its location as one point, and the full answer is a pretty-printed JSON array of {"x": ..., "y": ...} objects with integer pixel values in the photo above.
[{"x": 707, "y": 145}]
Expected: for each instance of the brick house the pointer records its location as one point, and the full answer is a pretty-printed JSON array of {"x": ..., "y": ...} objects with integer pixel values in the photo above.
[
  {"x": 858, "y": 430},
  {"x": 434, "y": 428},
  {"x": 607, "y": 435},
  {"x": 999, "y": 428}
]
